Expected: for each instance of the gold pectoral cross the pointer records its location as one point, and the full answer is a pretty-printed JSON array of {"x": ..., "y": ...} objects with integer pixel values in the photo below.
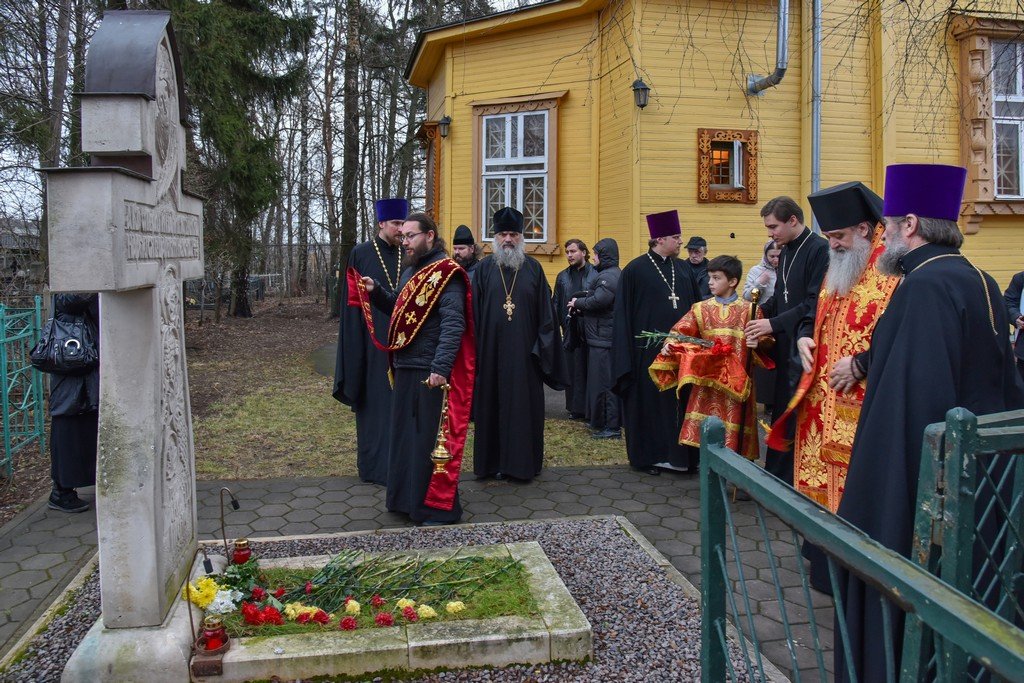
[{"x": 509, "y": 306}]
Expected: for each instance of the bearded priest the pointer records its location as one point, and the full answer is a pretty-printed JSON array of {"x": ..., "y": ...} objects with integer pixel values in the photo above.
[
  {"x": 432, "y": 346},
  {"x": 519, "y": 349},
  {"x": 833, "y": 340}
]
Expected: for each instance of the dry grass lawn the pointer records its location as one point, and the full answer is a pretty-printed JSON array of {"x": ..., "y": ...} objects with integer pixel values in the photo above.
[{"x": 262, "y": 411}]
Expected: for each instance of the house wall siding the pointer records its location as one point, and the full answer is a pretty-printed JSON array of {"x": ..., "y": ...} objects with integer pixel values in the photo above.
[
  {"x": 617, "y": 138},
  {"x": 546, "y": 58},
  {"x": 890, "y": 95}
]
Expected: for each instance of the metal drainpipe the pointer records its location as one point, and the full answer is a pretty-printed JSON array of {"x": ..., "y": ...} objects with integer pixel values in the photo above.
[
  {"x": 816, "y": 102},
  {"x": 755, "y": 84}
]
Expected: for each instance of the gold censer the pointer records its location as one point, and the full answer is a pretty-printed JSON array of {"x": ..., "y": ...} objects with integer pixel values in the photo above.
[{"x": 440, "y": 455}]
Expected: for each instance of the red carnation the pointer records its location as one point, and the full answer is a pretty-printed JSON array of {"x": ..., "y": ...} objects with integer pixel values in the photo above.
[
  {"x": 270, "y": 615},
  {"x": 348, "y": 599},
  {"x": 279, "y": 593},
  {"x": 348, "y": 624},
  {"x": 309, "y": 587},
  {"x": 720, "y": 348},
  {"x": 251, "y": 614},
  {"x": 321, "y": 617},
  {"x": 258, "y": 594},
  {"x": 377, "y": 601},
  {"x": 303, "y": 618},
  {"x": 410, "y": 614},
  {"x": 385, "y": 619}
]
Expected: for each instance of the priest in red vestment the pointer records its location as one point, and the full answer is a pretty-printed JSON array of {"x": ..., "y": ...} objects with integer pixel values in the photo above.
[{"x": 833, "y": 342}]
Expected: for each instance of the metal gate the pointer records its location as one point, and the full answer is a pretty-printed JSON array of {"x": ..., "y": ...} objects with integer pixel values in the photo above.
[{"x": 21, "y": 388}]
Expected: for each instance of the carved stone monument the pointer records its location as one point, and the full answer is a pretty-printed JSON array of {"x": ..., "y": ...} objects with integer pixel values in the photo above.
[{"x": 124, "y": 227}]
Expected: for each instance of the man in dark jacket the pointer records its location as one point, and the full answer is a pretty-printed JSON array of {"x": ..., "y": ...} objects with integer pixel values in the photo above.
[
  {"x": 433, "y": 349},
  {"x": 74, "y": 414},
  {"x": 697, "y": 263},
  {"x": 597, "y": 309},
  {"x": 578, "y": 277},
  {"x": 1016, "y": 313},
  {"x": 465, "y": 251}
]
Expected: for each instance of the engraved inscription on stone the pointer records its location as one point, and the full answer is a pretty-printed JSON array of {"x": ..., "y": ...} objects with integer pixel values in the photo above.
[
  {"x": 175, "y": 452},
  {"x": 153, "y": 234}
]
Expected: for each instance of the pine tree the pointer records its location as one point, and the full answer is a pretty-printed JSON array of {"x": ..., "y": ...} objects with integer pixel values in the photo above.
[{"x": 240, "y": 58}]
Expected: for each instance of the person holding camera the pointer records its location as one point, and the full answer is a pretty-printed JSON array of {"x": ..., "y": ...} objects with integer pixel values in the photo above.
[
  {"x": 578, "y": 277},
  {"x": 597, "y": 309},
  {"x": 74, "y": 413}
]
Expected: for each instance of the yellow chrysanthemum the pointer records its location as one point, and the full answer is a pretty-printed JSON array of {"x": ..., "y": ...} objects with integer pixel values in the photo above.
[
  {"x": 406, "y": 602},
  {"x": 426, "y": 612},
  {"x": 293, "y": 610},
  {"x": 352, "y": 607},
  {"x": 202, "y": 592},
  {"x": 455, "y": 606}
]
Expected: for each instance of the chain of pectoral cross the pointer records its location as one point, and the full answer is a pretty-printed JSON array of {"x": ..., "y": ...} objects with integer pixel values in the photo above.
[{"x": 672, "y": 296}]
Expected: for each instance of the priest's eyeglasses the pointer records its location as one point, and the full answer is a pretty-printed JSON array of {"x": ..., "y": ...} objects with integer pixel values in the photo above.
[{"x": 408, "y": 237}]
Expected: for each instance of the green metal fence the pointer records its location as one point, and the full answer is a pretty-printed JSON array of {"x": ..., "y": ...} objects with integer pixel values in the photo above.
[
  {"x": 21, "y": 386},
  {"x": 734, "y": 601},
  {"x": 969, "y": 527}
]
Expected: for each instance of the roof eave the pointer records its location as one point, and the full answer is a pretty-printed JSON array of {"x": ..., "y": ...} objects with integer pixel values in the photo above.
[{"x": 429, "y": 47}]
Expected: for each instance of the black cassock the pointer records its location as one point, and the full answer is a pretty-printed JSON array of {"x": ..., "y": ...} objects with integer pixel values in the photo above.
[
  {"x": 514, "y": 359},
  {"x": 933, "y": 349},
  {"x": 652, "y": 418},
  {"x": 568, "y": 282},
  {"x": 804, "y": 262},
  {"x": 361, "y": 369}
]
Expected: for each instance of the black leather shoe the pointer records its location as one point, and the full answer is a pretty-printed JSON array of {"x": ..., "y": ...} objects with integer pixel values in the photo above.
[
  {"x": 498, "y": 476},
  {"x": 606, "y": 434},
  {"x": 648, "y": 470}
]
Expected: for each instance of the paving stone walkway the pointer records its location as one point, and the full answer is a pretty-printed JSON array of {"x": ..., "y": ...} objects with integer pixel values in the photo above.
[{"x": 42, "y": 550}]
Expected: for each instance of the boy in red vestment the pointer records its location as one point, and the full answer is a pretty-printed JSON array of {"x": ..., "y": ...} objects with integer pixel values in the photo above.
[{"x": 720, "y": 374}]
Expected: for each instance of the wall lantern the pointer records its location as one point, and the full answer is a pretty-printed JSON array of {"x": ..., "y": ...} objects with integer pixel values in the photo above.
[
  {"x": 640, "y": 93},
  {"x": 443, "y": 125}
]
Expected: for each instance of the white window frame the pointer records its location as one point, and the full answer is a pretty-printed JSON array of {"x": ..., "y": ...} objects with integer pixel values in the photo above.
[
  {"x": 1006, "y": 120},
  {"x": 508, "y": 160},
  {"x": 736, "y": 166}
]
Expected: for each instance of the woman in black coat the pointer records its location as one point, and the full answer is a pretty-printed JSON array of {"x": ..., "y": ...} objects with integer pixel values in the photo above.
[{"x": 74, "y": 414}]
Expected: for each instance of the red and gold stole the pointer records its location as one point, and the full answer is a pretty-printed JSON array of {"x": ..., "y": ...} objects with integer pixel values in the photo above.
[
  {"x": 414, "y": 303},
  {"x": 843, "y": 325}
]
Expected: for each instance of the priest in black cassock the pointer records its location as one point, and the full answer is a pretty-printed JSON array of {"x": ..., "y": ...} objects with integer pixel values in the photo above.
[
  {"x": 360, "y": 369},
  {"x": 941, "y": 343},
  {"x": 519, "y": 349},
  {"x": 655, "y": 291},
  {"x": 570, "y": 283},
  {"x": 465, "y": 250},
  {"x": 433, "y": 350},
  {"x": 803, "y": 263}
]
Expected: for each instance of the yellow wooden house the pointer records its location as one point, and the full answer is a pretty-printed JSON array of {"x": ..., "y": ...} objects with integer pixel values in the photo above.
[{"x": 542, "y": 108}]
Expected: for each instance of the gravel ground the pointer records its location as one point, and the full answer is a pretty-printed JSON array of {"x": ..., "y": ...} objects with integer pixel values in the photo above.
[{"x": 645, "y": 627}]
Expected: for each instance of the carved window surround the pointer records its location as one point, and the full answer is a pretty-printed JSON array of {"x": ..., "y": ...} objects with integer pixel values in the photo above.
[
  {"x": 547, "y": 101},
  {"x": 974, "y": 35},
  {"x": 430, "y": 140},
  {"x": 706, "y": 192}
]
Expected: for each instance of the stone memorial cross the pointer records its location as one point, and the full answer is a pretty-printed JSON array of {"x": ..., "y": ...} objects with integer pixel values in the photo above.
[{"x": 124, "y": 227}]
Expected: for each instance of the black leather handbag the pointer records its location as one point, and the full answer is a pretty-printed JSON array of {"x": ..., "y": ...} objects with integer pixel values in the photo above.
[{"x": 67, "y": 347}]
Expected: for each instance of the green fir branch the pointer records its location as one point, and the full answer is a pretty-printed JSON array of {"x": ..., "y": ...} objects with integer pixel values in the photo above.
[{"x": 659, "y": 338}]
